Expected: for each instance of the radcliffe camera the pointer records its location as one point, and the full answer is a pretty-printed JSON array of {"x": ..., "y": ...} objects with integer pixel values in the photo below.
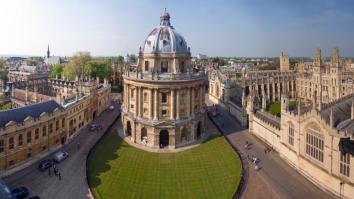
[{"x": 176, "y": 99}]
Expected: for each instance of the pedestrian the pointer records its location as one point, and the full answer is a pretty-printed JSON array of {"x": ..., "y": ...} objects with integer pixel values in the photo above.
[{"x": 59, "y": 176}]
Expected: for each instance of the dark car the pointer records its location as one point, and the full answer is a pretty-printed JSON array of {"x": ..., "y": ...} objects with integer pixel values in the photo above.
[
  {"x": 44, "y": 165},
  {"x": 20, "y": 192},
  {"x": 34, "y": 197},
  {"x": 93, "y": 127}
]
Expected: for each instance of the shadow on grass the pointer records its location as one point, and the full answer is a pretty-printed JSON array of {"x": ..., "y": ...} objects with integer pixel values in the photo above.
[{"x": 99, "y": 158}]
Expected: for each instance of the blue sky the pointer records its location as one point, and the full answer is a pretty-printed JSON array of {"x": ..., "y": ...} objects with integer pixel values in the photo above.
[{"x": 215, "y": 28}]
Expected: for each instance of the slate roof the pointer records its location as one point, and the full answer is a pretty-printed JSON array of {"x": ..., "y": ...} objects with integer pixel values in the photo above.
[{"x": 19, "y": 114}]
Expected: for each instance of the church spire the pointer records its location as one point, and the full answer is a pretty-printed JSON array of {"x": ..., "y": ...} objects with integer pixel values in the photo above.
[{"x": 48, "y": 52}]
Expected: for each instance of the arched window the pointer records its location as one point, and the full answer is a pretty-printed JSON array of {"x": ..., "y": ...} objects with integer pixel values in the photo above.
[
  {"x": 20, "y": 140},
  {"x": 146, "y": 66},
  {"x": 291, "y": 134},
  {"x": 314, "y": 143},
  {"x": 143, "y": 134},
  {"x": 164, "y": 66}
]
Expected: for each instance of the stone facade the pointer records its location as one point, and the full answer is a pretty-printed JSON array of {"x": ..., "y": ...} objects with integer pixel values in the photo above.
[
  {"x": 163, "y": 96},
  {"x": 35, "y": 129}
]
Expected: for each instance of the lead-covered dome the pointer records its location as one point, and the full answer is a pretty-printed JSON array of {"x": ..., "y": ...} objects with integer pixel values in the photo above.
[{"x": 165, "y": 39}]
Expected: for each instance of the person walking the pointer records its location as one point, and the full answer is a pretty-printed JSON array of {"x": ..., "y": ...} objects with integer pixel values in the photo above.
[{"x": 59, "y": 176}]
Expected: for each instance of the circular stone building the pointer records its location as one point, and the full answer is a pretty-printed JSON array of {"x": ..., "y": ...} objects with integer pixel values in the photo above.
[{"x": 163, "y": 94}]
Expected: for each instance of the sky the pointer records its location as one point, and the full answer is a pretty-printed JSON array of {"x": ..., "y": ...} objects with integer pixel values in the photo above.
[{"x": 241, "y": 28}]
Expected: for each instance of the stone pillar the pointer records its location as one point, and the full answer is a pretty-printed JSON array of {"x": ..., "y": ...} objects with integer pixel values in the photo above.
[
  {"x": 141, "y": 102},
  {"x": 136, "y": 101},
  {"x": 268, "y": 91},
  {"x": 151, "y": 103},
  {"x": 156, "y": 104},
  {"x": 172, "y": 104},
  {"x": 274, "y": 93},
  {"x": 201, "y": 97},
  {"x": 192, "y": 101},
  {"x": 177, "y": 103},
  {"x": 279, "y": 92},
  {"x": 188, "y": 101}
]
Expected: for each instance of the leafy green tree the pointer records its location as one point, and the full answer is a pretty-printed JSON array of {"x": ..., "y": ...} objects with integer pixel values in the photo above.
[
  {"x": 101, "y": 69},
  {"x": 221, "y": 62},
  {"x": 56, "y": 71},
  {"x": 76, "y": 65},
  {"x": 2, "y": 70}
]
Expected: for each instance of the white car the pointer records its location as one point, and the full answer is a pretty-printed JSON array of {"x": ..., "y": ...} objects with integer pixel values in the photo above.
[
  {"x": 111, "y": 108},
  {"x": 60, "y": 156}
]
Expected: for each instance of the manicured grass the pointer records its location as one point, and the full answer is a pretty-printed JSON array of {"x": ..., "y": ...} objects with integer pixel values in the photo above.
[
  {"x": 117, "y": 170},
  {"x": 274, "y": 108}
]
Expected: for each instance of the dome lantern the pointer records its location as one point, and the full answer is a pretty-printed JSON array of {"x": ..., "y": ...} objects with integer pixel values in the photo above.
[{"x": 165, "y": 18}]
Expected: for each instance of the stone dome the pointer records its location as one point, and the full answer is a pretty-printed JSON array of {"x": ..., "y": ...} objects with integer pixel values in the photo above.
[{"x": 165, "y": 39}]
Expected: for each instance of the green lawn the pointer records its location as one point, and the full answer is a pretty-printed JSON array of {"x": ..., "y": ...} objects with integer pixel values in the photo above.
[
  {"x": 274, "y": 108},
  {"x": 117, "y": 170}
]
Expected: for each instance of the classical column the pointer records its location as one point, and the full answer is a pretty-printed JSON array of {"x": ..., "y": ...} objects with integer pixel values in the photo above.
[
  {"x": 268, "y": 91},
  {"x": 188, "y": 101},
  {"x": 172, "y": 104},
  {"x": 128, "y": 99},
  {"x": 136, "y": 101},
  {"x": 141, "y": 102},
  {"x": 201, "y": 97},
  {"x": 151, "y": 103},
  {"x": 156, "y": 104},
  {"x": 192, "y": 101},
  {"x": 177, "y": 103},
  {"x": 273, "y": 96}
]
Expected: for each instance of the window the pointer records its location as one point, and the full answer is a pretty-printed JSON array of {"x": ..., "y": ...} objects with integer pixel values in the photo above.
[
  {"x": 164, "y": 112},
  {"x": 36, "y": 134},
  {"x": 163, "y": 98},
  {"x": 2, "y": 144},
  {"x": 20, "y": 140},
  {"x": 291, "y": 135},
  {"x": 145, "y": 97},
  {"x": 57, "y": 125},
  {"x": 29, "y": 137},
  {"x": 146, "y": 66},
  {"x": 132, "y": 93},
  {"x": 181, "y": 67},
  {"x": 314, "y": 144},
  {"x": 50, "y": 128},
  {"x": 345, "y": 164},
  {"x": 164, "y": 66},
  {"x": 11, "y": 143},
  {"x": 44, "y": 131}
]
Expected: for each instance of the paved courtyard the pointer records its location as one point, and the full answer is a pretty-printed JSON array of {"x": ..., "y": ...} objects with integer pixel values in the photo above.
[
  {"x": 275, "y": 179},
  {"x": 73, "y": 184}
]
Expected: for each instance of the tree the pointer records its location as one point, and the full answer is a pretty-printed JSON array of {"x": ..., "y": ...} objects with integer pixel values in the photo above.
[
  {"x": 56, "y": 71},
  {"x": 2, "y": 70},
  {"x": 221, "y": 62},
  {"x": 76, "y": 65},
  {"x": 101, "y": 69}
]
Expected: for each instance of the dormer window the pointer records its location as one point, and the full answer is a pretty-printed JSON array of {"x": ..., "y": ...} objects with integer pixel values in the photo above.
[
  {"x": 164, "y": 66},
  {"x": 164, "y": 42},
  {"x": 146, "y": 66},
  {"x": 148, "y": 42}
]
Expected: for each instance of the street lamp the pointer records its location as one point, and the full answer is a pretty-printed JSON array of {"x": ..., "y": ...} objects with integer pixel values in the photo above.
[{"x": 341, "y": 183}]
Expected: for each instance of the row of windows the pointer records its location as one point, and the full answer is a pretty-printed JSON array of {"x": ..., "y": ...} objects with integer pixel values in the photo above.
[
  {"x": 164, "y": 66},
  {"x": 29, "y": 136},
  {"x": 163, "y": 96}
]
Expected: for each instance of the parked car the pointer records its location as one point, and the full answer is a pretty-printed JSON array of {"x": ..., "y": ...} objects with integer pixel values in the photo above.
[
  {"x": 60, "y": 156},
  {"x": 44, "y": 165},
  {"x": 111, "y": 107},
  {"x": 20, "y": 192},
  {"x": 93, "y": 127},
  {"x": 34, "y": 197}
]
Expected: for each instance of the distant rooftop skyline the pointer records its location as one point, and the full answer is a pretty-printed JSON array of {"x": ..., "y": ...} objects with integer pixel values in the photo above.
[{"x": 242, "y": 28}]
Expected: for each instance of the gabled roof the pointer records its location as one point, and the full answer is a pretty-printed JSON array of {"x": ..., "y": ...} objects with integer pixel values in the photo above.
[{"x": 20, "y": 114}]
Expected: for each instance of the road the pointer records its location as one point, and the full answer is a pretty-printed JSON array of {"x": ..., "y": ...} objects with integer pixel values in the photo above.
[
  {"x": 275, "y": 179},
  {"x": 73, "y": 184}
]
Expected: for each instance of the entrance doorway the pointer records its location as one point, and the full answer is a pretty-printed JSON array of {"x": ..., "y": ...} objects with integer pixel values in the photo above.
[
  {"x": 94, "y": 115},
  {"x": 199, "y": 130},
  {"x": 164, "y": 138},
  {"x": 143, "y": 134},
  {"x": 129, "y": 129}
]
